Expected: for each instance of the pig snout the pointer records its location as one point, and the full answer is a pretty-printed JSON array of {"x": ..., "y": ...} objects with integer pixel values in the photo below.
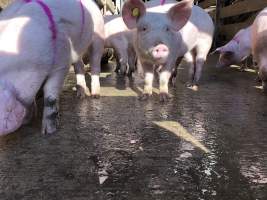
[
  {"x": 160, "y": 52},
  {"x": 12, "y": 112},
  {"x": 220, "y": 65}
]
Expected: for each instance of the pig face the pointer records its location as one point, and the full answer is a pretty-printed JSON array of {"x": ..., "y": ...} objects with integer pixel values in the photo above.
[
  {"x": 12, "y": 111},
  {"x": 156, "y": 37},
  {"x": 229, "y": 54}
]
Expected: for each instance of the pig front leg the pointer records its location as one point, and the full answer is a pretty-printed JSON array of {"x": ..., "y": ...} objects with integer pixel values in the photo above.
[
  {"x": 52, "y": 88},
  {"x": 164, "y": 78},
  {"x": 149, "y": 76},
  {"x": 96, "y": 52},
  {"x": 82, "y": 89},
  {"x": 131, "y": 61}
]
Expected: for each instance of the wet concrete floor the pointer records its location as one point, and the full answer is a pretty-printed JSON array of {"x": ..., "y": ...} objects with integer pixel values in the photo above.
[{"x": 208, "y": 144}]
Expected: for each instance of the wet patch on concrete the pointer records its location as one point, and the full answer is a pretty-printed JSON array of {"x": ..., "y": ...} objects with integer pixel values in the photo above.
[{"x": 118, "y": 147}]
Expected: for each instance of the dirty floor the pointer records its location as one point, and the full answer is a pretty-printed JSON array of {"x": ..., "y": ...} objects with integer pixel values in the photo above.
[{"x": 209, "y": 144}]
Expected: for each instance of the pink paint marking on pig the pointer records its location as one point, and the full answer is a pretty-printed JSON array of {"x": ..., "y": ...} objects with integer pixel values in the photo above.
[
  {"x": 83, "y": 16},
  {"x": 49, "y": 15},
  {"x": 162, "y": 2}
]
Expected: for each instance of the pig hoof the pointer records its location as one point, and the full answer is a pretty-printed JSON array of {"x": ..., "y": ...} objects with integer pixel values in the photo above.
[
  {"x": 173, "y": 82},
  {"x": 130, "y": 74},
  {"x": 49, "y": 127},
  {"x": 95, "y": 96},
  {"x": 164, "y": 97},
  {"x": 258, "y": 79},
  {"x": 189, "y": 84},
  {"x": 82, "y": 92},
  {"x": 144, "y": 97},
  {"x": 264, "y": 86}
]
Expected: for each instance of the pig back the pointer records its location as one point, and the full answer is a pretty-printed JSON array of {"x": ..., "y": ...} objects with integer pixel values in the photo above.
[{"x": 200, "y": 26}]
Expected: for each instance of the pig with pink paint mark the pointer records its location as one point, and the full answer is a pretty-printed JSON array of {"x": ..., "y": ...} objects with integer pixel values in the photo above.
[
  {"x": 259, "y": 45},
  {"x": 39, "y": 40},
  {"x": 236, "y": 50},
  {"x": 164, "y": 34}
]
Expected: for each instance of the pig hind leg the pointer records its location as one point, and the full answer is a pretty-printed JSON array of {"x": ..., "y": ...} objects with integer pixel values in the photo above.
[
  {"x": 200, "y": 60},
  {"x": 263, "y": 71},
  {"x": 96, "y": 51},
  {"x": 196, "y": 60},
  {"x": 131, "y": 61},
  {"x": 121, "y": 50}
]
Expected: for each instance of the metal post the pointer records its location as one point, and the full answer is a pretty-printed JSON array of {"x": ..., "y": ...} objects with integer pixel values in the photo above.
[{"x": 217, "y": 22}]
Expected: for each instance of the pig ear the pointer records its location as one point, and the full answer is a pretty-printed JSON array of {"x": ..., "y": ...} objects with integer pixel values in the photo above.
[
  {"x": 132, "y": 10},
  {"x": 180, "y": 13},
  {"x": 228, "y": 53}
]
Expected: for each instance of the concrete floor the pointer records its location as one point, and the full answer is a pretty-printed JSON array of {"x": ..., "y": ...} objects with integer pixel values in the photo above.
[{"x": 208, "y": 144}]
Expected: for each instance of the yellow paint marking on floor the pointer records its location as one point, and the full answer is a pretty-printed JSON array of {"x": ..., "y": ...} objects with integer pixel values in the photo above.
[{"x": 180, "y": 131}]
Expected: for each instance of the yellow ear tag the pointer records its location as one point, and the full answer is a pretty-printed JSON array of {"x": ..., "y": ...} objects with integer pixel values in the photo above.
[{"x": 135, "y": 12}]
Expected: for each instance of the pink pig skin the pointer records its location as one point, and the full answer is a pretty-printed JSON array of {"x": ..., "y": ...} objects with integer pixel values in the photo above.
[
  {"x": 33, "y": 55},
  {"x": 259, "y": 45},
  {"x": 166, "y": 33}
]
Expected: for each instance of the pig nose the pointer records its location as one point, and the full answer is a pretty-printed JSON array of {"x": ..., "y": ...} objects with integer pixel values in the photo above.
[
  {"x": 160, "y": 51},
  {"x": 219, "y": 65}
]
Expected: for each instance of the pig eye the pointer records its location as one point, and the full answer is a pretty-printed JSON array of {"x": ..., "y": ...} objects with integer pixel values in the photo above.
[
  {"x": 167, "y": 29},
  {"x": 143, "y": 28}
]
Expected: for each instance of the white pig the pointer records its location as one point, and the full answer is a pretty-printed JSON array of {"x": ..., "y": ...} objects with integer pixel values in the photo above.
[
  {"x": 164, "y": 34},
  {"x": 39, "y": 41}
]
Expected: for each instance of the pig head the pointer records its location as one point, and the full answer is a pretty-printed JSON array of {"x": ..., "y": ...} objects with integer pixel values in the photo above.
[{"x": 236, "y": 50}]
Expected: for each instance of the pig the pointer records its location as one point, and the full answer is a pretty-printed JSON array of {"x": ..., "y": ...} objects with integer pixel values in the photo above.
[
  {"x": 93, "y": 54},
  {"x": 236, "y": 50},
  {"x": 120, "y": 38},
  {"x": 165, "y": 33},
  {"x": 39, "y": 41},
  {"x": 259, "y": 45}
]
